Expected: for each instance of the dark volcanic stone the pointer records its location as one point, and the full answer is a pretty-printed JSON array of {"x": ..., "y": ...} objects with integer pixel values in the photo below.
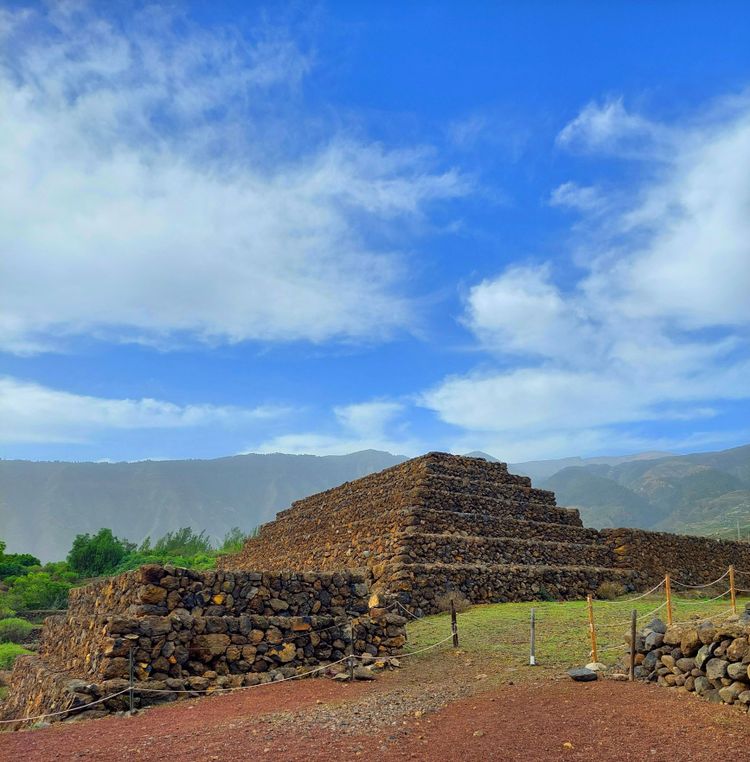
[{"x": 582, "y": 675}]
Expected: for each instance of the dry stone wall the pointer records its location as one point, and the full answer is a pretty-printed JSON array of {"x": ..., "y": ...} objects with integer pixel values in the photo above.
[
  {"x": 692, "y": 560},
  {"x": 197, "y": 631},
  {"x": 475, "y": 523},
  {"x": 443, "y": 522},
  {"x": 440, "y": 523},
  {"x": 709, "y": 658}
]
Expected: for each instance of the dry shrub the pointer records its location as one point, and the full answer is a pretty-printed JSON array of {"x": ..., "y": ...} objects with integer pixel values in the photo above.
[
  {"x": 460, "y": 601},
  {"x": 610, "y": 590},
  {"x": 700, "y": 593}
]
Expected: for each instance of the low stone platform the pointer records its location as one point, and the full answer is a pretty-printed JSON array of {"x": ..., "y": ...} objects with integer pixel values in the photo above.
[{"x": 196, "y": 631}]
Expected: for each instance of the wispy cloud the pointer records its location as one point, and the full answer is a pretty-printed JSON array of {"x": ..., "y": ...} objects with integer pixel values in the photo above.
[
  {"x": 583, "y": 198},
  {"x": 609, "y": 127},
  {"x": 31, "y": 412},
  {"x": 371, "y": 425},
  {"x": 656, "y": 328},
  {"x": 159, "y": 185}
]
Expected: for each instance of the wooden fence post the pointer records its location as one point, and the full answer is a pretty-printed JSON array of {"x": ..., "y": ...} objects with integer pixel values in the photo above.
[
  {"x": 668, "y": 590},
  {"x": 732, "y": 591},
  {"x": 454, "y": 624},
  {"x": 633, "y": 621},
  {"x": 592, "y": 628},
  {"x": 532, "y": 651}
]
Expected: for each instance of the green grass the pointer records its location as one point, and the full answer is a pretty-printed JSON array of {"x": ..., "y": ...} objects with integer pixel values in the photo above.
[
  {"x": 8, "y": 654},
  {"x": 499, "y": 632}
]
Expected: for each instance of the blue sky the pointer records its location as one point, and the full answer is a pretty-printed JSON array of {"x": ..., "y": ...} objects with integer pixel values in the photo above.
[{"x": 516, "y": 227}]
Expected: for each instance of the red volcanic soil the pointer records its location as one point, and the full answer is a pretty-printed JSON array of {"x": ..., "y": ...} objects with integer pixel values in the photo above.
[{"x": 321, "y": 720}]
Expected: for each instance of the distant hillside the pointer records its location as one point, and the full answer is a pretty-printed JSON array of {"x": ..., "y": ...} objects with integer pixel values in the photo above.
[
  {"x": 543, "y": 469},
  {"x": 44, "y": 505},
  {"x": 701, "y": 493}
]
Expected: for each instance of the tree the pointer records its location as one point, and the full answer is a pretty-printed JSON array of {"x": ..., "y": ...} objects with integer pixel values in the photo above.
[
  {"x": 183, "y": 542},
  {"x": 16, "y": 564},
  {"x": 97, "y": 555},
  {"x": 233, "y": 541}
]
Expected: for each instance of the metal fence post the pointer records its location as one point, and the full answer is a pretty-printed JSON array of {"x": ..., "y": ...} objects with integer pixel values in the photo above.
[
  {"x": 532, "y": 651},
  {"x": 130, "y": 668}
]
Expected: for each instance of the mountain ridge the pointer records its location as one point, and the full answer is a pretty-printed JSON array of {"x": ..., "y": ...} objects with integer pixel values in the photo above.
[{"x": 44, "y": 504}]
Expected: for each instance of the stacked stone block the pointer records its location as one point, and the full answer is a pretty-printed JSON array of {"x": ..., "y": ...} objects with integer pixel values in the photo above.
[
  {"x": 691, "y": 560},
  {"x": 441, "y": 523},
  {"x": 196, "y": 631},
  {"x": 709, "y": 658}
]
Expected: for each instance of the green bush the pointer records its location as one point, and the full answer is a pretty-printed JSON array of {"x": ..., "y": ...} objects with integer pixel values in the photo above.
[
  {"x": 38, "y": 590},
  {"x": 93, "y": 556},
  {"x": 6, "y": 612},
  {"x": 233, "y": 541},
  {"x": 8, "y": 654},
  {"x": 16, "y": 564},
  {"x": 14, "y": 630}
]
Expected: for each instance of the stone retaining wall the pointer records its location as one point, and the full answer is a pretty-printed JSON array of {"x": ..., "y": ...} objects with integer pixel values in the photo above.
[
  {"x": 419, "y": 586},
  {"x": 692, "y": 560},
  {"x": 194, "y": 631},
  {"x": 474, "y": 523},
  {"x": 449, "y": 549},
  {"x": 710, "y": 659}
]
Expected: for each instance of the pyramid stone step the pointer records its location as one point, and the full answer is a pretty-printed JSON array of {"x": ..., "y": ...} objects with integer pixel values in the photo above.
[
  {"x": 498, "y": 506},
  {"x": 473, "y": 469},
  {"x": 486, "y": 525},
  {"x": 418, "y": 586},
  {"x": 487, "y": 488},
  {"x": 452, "y": 549}
]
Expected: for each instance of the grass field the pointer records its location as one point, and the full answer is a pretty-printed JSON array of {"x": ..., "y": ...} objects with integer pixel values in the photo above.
[{"x": 499, "y": 633}]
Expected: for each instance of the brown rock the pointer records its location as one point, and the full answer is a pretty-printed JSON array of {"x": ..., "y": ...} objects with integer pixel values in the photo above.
[{"x": 153, "y": 595}]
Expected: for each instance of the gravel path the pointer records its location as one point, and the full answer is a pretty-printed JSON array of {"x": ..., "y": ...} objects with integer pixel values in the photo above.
[{"x": 396, "y": 718}]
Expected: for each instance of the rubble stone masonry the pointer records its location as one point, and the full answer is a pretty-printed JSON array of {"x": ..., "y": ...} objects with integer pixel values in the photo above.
[
  {"x": 196, "y": 631},
  {"x": 322, "y": 579}
]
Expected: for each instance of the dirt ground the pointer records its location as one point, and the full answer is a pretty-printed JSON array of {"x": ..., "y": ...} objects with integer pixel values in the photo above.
[{"x": 533, "y": 720}]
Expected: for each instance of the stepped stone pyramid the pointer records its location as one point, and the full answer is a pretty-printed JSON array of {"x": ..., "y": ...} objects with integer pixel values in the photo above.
[{"x": 441, "y": 523}]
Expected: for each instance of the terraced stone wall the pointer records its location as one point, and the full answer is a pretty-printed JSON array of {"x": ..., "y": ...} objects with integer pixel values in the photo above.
[
  {"x": 419, "y": 586},
  {"x": 357, "y": 523},
  {"x": 439, "y": 523},
  {"x": 191, "y": 630},
  {"x": 693, "y": 560}
]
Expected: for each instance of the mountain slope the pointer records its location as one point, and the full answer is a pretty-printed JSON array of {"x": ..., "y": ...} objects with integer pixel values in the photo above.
[
  {"x": 699, "y": 493},
  {"x": 44, "y": 505},
  {"x": 544, "y": 469},
  {"x": 601, "y": 501}
]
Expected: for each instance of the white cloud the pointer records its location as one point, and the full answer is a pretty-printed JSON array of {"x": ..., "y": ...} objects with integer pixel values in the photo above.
[
  {"x": 611, "y": 128},
  {"x": 655, "y": 328},
  {"x": 31, "y": 412},
  {"x": 368, "y": 419},
  {"x": 372, "y": 425},
  {"x": 157, "y": 184},
  {"x": 585, "y": 198}
]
